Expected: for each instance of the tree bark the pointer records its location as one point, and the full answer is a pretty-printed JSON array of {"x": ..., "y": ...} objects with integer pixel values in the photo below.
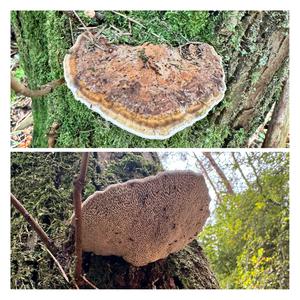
[
  {"x": 77, "y": 202},
  {"x": 278, "y": 130},
  {"x": 254, "y": 46}
]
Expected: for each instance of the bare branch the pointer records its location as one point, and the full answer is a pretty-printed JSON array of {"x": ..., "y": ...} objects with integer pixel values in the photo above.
[
  {"x": 129, "y": 18},
  {"x": 240, "y": 169},
  {"x": 219, "y": 172},
  {"x": 34, "y": 224},
  {"x": 59, "y": 266},
  {"x": 77, "y": 200},
  {"x": 89, "y": 283},
  {"x": 249, "y": 159},
  {"x": 89, "y": 35},
  {"x": 208, "y": 178},
  {"x": 19, "y": 88}
]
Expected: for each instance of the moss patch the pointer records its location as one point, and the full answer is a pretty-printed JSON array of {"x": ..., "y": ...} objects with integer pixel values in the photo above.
[{"x": 43, "y": 182}]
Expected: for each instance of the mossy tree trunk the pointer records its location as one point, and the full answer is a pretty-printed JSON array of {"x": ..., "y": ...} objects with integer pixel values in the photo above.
[
  {"x": 254, "y": 46},
  {"x": 43, "y": 182}
]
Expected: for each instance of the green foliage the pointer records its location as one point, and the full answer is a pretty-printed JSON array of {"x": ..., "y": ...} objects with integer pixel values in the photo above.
[
  {"x": 247, "y": 242},
  {"x": 19, "y": 73}
]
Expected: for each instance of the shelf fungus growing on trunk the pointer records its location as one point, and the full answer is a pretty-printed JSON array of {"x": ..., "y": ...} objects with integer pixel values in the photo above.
[
  {"x": 144, "y": 220},
  {"x": 152, "y": 91}
]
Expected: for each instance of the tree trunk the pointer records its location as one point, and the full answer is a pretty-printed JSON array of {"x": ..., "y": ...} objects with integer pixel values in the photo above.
[
  {"x": 53, "y": 173},
  {"x": 278, "y": 131},
  {"x": 186, "y": 269},
  {"x": 254, "y": 46}
]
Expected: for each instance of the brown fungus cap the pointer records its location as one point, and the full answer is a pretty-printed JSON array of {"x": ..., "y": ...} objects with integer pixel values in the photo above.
[
  {"x": 144, "y": 220},
  {"x": 150, "y": 90}
]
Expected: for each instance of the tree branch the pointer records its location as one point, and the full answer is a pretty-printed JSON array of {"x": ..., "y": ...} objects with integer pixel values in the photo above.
[
  {"x": 208, "y": 178},
  {"x": 34, "y": 224},
  {"x": 240, "y": 169},
  {"x": 219, "y": 172},
  {"x": 19, "y": 88},
  {"x": 249, "y": 159},
  {"x": 77, "y": 201}
]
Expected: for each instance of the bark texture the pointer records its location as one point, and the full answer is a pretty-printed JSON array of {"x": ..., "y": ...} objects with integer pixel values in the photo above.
[
  {"x": 254, "y": 46},
  {"x": 278, "y": 130}
]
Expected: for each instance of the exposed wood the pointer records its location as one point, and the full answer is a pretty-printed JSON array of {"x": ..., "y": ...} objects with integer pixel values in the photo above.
[
  {"x": 19, "y": 88},
  {"x": 34, "y": 224},
  {"x": 77, "y": 200},
  {"x": 25, "y": 122},
  {"x": 223, "y": 177},
  {"x": 52, "y": 135},
  {"x": 278, "y": 131}
]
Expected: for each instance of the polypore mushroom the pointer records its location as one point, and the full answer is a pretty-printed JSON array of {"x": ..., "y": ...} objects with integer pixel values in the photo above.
[
  {"x": 144, "y": 220},
  {"x": 150, "y": 90}
]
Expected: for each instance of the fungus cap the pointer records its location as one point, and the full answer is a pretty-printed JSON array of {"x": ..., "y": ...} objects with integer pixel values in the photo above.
[
  {"x": 152, "y": 91},
  {"x": 144, "y": 220}
]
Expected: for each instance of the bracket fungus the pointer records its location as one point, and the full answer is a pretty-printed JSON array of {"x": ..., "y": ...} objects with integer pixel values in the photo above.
[
  {"x": 144, "y": 220},
  {"x": 152, "y": 91}
]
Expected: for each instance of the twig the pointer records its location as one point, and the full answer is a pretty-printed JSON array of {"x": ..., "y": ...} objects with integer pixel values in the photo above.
[
  {"x": 129, "y": 18},
  {"x": 88, "y": 282},
  {"x": 19, "y": 88},
  {"x": 77, "y": 201},
  {"x": 90, "y": 35},
  {"x": 59, "y": 266},
  {"x": 71, "y": 29},
  {"x": 34, "y": 224},
  {"x": 90, "y": 27},
  {"x": 120, "y": 32},
  {"x": 143, "y": 26}
]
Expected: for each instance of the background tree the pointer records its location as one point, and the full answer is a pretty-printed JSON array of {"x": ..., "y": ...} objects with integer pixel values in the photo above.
[
  {"x": 247, "y": 240},
  {"x": 254, "y": 46},
  {"x": 43, "y": 182}
]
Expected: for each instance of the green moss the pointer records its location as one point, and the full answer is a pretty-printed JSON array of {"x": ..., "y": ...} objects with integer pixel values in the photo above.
[{"x": 43, "y": 182}]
